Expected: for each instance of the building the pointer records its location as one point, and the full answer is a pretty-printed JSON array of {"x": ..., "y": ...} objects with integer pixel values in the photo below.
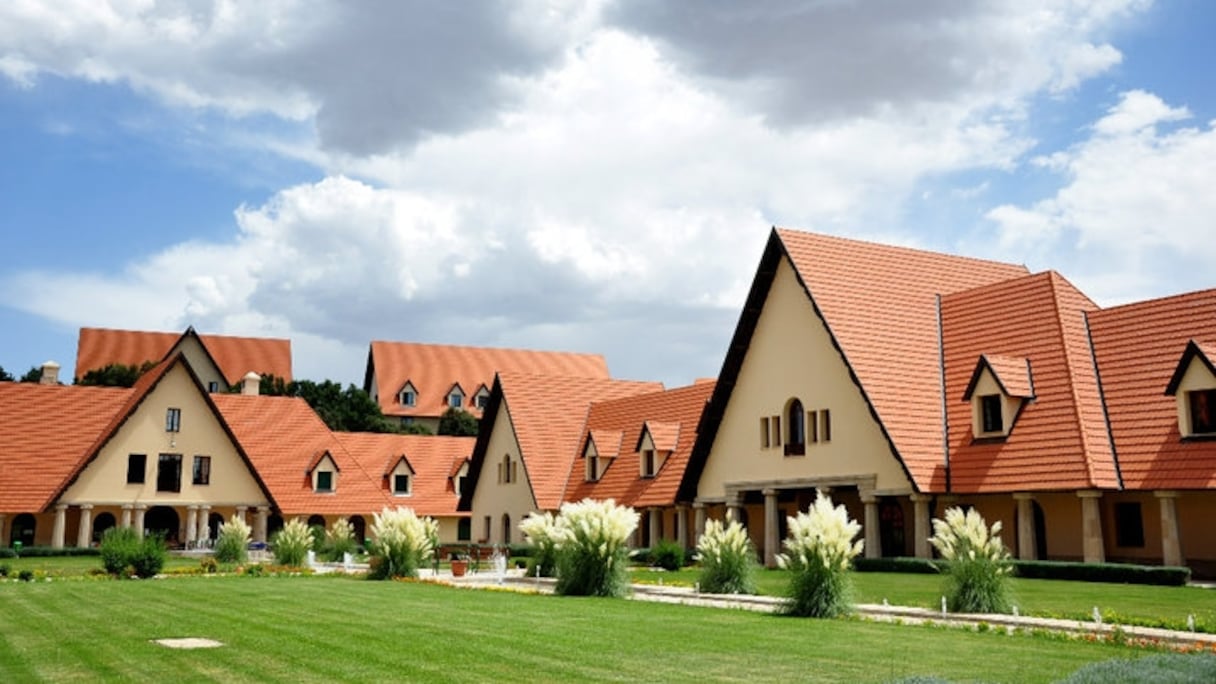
[{"x": 416, "y": 383}]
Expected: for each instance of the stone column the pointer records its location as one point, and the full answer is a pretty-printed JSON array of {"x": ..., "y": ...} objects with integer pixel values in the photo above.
[
  {"x": 60, "y": 529},
  {"x": 3, "y": 529},
  {"x": 240, "y": 513},
  {"x": 191, "y": 526},
  {"x": 770, "y": 528},
  {"x": 1091, "y": 526},
  {"x": 1027, "y": 542},
  {"x": 84, "y": 531},
  {"x": 698, "y": 511},
  {"x": 682, "y": 525},
  {"x": 733, "y": 508},
  {"x": 126, "y": 516},
  {"x": 140, "y": 511},
  {"x": 656, "y": 525},
  {"x": 870, "y": 528},
  {"x": 204, "y": 531},
  {"x": 1171, "y": 538},
  {"x": 920, "y": 525},
  {"x": 260, "y": 524}
]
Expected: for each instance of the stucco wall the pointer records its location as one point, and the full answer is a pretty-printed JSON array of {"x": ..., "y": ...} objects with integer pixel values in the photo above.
[{"x": 493, "y": 498}]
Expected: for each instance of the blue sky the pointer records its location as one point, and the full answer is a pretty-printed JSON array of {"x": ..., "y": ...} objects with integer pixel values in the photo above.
[{"x": 595, "y": 176}]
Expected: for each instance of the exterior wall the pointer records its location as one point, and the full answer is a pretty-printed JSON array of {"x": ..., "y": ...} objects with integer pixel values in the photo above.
[
  {"x": 1196, "y": 511},
  {"x": 493, "y": 498},
  {"x": 203, "y": 366},
  {"x": 791, "y": 355},
  {"x": 104, "y": 481},
  {"x": 1196, "y": 377},
  {"x": 985, "y": 385},
  {"x": 1150, "y": 519}
]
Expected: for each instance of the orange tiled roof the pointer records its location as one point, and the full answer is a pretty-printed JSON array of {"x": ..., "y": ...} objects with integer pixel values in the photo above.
[
  {"x": 1012, "y": 373},
  {"x": 1138, "y": 347},
  {"x": 434, "y": 461},
  {"x": 672, "y": 417},
  {"x": 281, "y": 437},
  {"x": 607, "y": 442},
  {"x": 433, "y": 369},
  {"x": 1058, "y": 440},
  {"x": 45, "y": 431},
  {"x": 234, "y": 356},
  {"x": 548, "y": 413},
  {"x": 880, "y": 304}
]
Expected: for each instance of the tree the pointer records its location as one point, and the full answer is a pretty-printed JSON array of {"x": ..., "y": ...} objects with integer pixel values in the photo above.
[
  {"x": 458, "y": 423},
  {"x": 5, "y": 376},
  {"x": 34, "y": 374},
  {"x": 116, "y": 374},
  {"x": 344, "y": 410}
]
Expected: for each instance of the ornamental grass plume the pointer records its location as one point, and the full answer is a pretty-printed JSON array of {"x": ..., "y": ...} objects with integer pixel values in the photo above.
[
  {"x": 541, "y": 532},
  {"x": 292, "y": 543},
  {"x": 592, "y": 555},
  {"x": 232, "y": 541},
  {"x": 339, "y": 540},
  {"x": 728, "y": 559},
  {"x": 977, "y": 563},
  {"x": 818, "y": 552},
  {"x": 403, "y": 543}
]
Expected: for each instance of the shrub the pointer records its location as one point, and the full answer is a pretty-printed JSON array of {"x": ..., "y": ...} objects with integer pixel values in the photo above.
[
  {"x": 817, "y": 553},
  {"x": 317, "y": 542},
  {"x": 917, "y": 566},
  {"x": 592, "y": 556},
  {"x": 404, "y": 541},
  {"x": 292, "y": 543},
  {"x": 728, "y": 560},
  {"x": 541, "y": 531},
  {"x": 667, "y": 555},
  {"x": 209, "y": 566},
  {"x": 6, "y": 552},
  {"x": 52, "y": 552},
  {"x": 150, "y": 557},
  {"x": 26, "y": 576},
  {"x": 232, "y": 543},
  {"x": 1173, "y": 667},
  {"x": 339, "y": 540},
  {"x": 119, "y": 546},
  {"x": 520, "y": 550},
  {"x": 5, "y": 569},
  {"x": 977, "y": 564},
  {"x": 1120, "y": 573}
]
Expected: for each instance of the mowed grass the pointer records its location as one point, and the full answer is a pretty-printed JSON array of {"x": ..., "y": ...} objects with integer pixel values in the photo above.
[
  {"x": 1054, "y": 598},
  {"x": 312, "y": 629},
  {"x": 71, "y": 566}
]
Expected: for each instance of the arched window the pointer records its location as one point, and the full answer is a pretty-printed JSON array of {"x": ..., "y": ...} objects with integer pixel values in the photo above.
[
  {"x": 506, "y": 528},
  {"x": 23, "y": 529},
  {"x": 360, "y": 526},
  {"x": 316, "y": 521},
  {"x": 101, "y": 523},
  {"x": 795, "y": 429}
]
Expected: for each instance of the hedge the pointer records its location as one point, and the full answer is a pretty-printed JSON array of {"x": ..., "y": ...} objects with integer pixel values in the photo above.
[
  {"x": 7, "y": 553},
  {"x": 1119, "y": 573},
  {"x": 52, "y": 552},
  {"x": 919, "y": 566}
]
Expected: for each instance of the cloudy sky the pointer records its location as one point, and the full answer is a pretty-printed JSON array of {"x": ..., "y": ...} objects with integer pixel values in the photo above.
[{"x": 593, "y": 176}]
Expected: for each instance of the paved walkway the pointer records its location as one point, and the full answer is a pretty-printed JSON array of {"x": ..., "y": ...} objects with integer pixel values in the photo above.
[{"x": 885, "y": 613}]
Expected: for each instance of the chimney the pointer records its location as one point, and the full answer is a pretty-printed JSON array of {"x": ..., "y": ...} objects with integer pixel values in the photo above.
[
  {"x": 50, "y": 373},
  {"x": 250, "y": 384}
]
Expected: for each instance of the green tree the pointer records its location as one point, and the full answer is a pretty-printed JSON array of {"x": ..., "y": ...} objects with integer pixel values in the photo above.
[
  {"x": 116, "y": 374},
  {"x": 344, "y": 410},
  {"x": 5, "y": 376},
  {"x": 34, "y": 374},
  {"x": 458, "y": 423}
]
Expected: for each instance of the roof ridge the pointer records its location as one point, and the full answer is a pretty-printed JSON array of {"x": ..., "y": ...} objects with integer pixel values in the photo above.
[
  {"x": 482, "y": 347},
  {"x": 888, "y": 246}
]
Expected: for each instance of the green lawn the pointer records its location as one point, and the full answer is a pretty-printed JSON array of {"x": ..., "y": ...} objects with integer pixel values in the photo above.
[
  {"x": 71, "y": 566},
  {"x": 1135, "y": 603},
  {"x": 306, "y": 629}
]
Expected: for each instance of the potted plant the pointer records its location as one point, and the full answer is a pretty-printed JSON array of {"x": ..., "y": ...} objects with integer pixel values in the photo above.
[{"x": 460, "y": 564}]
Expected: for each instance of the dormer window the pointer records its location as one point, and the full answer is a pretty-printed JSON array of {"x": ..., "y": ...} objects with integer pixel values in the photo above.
[
  {"x": 602, "y": 446},
  {"x": 458, "y": 477},
  {"x": 408, "y": 396},
  {"x": 400, "y": 476},
  {"x": 999, "y": 389},
  {"x": 1193, "y": 386},
  {"x": 648, "y": 466},
  {"x": 324, "y": 474},
  {"x": 401, "y": 484},
  {"x": 325, "y": 481},
  {"x": 482, "y": 398},
  {"x": 456, "y": 397},
  {"x": 655, "y": 444}
]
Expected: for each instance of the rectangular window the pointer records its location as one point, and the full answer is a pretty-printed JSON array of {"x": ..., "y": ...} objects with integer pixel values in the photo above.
[
  {"x": 464, "y": 530},
  {"x": 593, "y": 468},
  {"x": 512, "y": 477},
  {"x": 486, "y": 536},
  {"x": 825, "y": 425},
  {"x": 648, "y": 463},
  {"x": 1203, "y": 412},
  {"x": 1129, "y": 525},
  {"x": 407, "y": 398},
  {"x": 775, "y": 423},
  {"x": 482, "y": 400},
  {"x": 173, "y": 420},
  {"x": 765, "y": 440},
  {"x": 169, "y": 473},
  {"x": 325, "y": 481},
  {"x": 990, "y": 412},
  {"x": 812, "y": 426},
  {"x": 401, "y": 483},
  {"x": 454, "y": 400},
  {"x": 460, "y": 485},
  {"x": 202, "y": 470},
  {"x": 213, "y": 387},
  {"x": 137, "y": 467}
]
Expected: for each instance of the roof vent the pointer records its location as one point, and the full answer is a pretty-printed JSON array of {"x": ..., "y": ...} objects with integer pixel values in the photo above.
[
  {"x": 250, "y": 384},
  {"x": 50, "y": 373}
]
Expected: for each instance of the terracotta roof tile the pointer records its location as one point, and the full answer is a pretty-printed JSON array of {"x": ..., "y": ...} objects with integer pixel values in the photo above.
[
  {"x": 880, "y": 303},
  {"x": 434, "y": 460},
  {"x": 1138, "y": 348},
  {"x": 1012, "y": 373},
  {"x": 45, "y": 431},
  {"x": 433, "y": 369},
  {"x": 1058, "y": 440},
  {"x": 549, "y": 414},
  {"x": 235, "y": 356},
  {"x": 672, "y": 416},
  {"x": 607, "y": 442}
]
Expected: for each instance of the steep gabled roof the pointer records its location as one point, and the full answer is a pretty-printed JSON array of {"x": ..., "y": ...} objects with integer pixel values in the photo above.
[
  {"x": 234, "y": 356},
  {"x": 607, "y": 442},
  {"x": 548, "y": 413},
  {"x": 47, "y": 430},
  {"x": 1194, "y": 350},
  {"x": 1138, "y": 347},
  {"x": 1059, "y": 441},
  {"x": 283, "y": 438},
  {"x": 672, "y": 417},
  {"x": 433, "y": 461},
  {"x": 435, "y": 368},
  {"x": 879, "y": 303},
  {"x": 1012, "y": 374}
]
